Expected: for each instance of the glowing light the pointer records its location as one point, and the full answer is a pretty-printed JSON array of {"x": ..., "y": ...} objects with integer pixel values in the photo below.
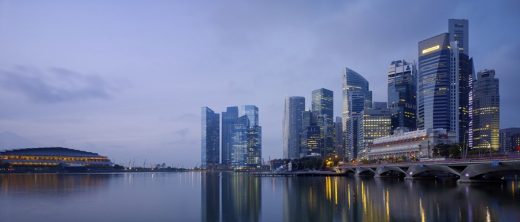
[{"x": 431, "y": 49}]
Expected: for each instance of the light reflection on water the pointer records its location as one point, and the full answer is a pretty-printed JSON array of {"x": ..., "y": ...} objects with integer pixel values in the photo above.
[{"x": 194, "y": 196}]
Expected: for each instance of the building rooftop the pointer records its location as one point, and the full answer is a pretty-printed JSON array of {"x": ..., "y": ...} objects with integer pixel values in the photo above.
[{"x": 49, "y": 151}]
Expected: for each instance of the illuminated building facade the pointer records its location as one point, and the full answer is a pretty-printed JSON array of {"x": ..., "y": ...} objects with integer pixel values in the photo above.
[
  {"x": 375, "y": 122},
  {"x": 414, "y": 144},
  {"x": 292, "y": 126},
  {"x": 323, "y": 110},
  {"x": 229, "y": 117},
  {"x": 311, "y": 135},
  {"x": 52, "y": 157},
  {"x": 510, "y": 140},
  {"x": 402, "y": 94},
  {"x": 246, "y": 140},
  {"x": 486, "y": 111},
  {"x": 210, "y": 137},
  {"x": 445, "y": 77},
  {"x": 356, "y": 96}
]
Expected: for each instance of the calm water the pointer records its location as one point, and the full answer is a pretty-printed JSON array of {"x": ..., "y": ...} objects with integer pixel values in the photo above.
[{"x": 241, "y": 197}]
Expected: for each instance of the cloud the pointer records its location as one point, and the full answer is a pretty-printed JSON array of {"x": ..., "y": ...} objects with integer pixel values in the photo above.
[{"x": 54, "y": 85}]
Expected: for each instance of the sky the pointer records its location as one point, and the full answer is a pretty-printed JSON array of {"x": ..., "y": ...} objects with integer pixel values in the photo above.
[{"x": 127, "y": 79}]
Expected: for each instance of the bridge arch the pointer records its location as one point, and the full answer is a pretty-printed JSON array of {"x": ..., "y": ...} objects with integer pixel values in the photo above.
[
  {"x": 489, "y": 171},
  {"x": 421, "y": 170},
  {"x": 383, "y": 171},
  {"x": 364, "y": 171}
]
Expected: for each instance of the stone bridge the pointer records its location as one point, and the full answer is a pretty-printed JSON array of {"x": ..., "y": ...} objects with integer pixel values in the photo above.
[{"x": 465, "y": 171}]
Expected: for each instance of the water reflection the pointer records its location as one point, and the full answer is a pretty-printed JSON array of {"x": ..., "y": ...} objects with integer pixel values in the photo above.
[
  {"x": 244, "y": 197},
  {"x": 52, "y": 183},
  {"x": 239, "y": 199}
]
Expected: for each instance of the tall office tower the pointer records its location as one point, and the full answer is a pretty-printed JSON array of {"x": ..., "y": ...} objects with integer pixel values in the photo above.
[
  {"x": 339, "y": 147},
  {"x": 239, "y": 142},
  {"x": 311, "y": 135},
  {"x": 445, "y": 83},
  {"x": 253, "y": 137},
  {"x": 210, "y": 138},
  {"x": 251, "y": 111},
  {"x": 228, "y": 120},
  {"x": 402, "y": 93},
  {"x": 459, "y": 31},
  {"x": 322, "y": 104},
  {"x": 322, "y": 107},
  {"x": 486, "y": 111},
  {"x": 510, "y": 140},
  {"x": 374, "y": 123},
  {"x": 356, "y": 96},
  {"x": 292, "y": 126},
  {"x": 459, "y": 38}
]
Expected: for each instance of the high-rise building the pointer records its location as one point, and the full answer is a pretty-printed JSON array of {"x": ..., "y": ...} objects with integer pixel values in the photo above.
[
  {"x": 459, "y": 31},
  {"x": 435, "y": 103},
  {"x": 445, "y": 93},
  {"x": 239, "y": 140},
  {"x": 510, "y": 140},
  {"x": 292, "y": 126},
  {"x": 402, "y": 93},
  {"x": 210, "y": 137},
  {"x": 228, "y": 120},
  {"x": 247, "y": 140},
  {"x": 356, "y": 96},
  {"x": 251, "y": 111},
  {"x": 311, "y": 135},
  {"x": 322, "y": 104},
  {"x": 323, "y": 110},
  {"x": 374, "y": 123},
  {"x": 338, "y": 135},
  {"x": 486, "y": 111}
]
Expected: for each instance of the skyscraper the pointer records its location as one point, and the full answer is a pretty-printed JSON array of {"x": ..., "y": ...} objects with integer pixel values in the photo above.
[
  {"x": 254, "y": 137},
  {"x": 322, "y": 104},
  {"x": 239, "y": 140},
  {"x": 374, "y": 123},
  {"x": 402, "y": 93},
  {"x": 292, "y": 126},
  {"x": 445, "y": 80},
  {"x": 486, "y": 112},
  {"x": 311, "y": 135},
  {"x": 228, "y": 120},
  {"x": 339, "y": 142},
  {"x": 251, "y": 111},
  {"x": 459, "y": 31},
  {"x": 323, "y": 110},
  {"x": 356, "y": 96},
  {"x": 435, "y": 103},
  {"x": 210, "y": 137}
]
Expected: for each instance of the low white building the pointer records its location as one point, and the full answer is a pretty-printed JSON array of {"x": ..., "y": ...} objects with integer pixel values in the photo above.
[{"x": 417, "y": 144}]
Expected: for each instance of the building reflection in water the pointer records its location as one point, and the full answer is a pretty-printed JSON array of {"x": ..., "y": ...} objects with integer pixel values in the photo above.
[
  {"x": 230, "y": 197},
  {"x": 351, "y": 199},
  {"x": 52, "y": 183}
]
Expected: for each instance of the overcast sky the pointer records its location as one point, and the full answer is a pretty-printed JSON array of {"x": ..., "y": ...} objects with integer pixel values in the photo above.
[{"x": 127, "y": 78}]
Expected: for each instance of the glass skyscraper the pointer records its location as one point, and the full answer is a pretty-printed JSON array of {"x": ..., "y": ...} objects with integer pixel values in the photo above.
[
  {"x": 402, "y": 93},
  {"x": 445, "y": 77},
  {"x": 239, "y": 154},
  {"x": 228, "y": 120},
  {"x": 292, "y": 126},
  {"x": 210, "y": 137},
  {"x": 434, "y": 109},
  {"x": 356, "y": 96},
  {"x": 323, "y": 110},
  {"x": 486, "y": 112}
]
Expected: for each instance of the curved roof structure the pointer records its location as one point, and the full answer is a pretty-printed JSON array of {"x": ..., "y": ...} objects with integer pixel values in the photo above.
[{"x": 50, "y": 151}]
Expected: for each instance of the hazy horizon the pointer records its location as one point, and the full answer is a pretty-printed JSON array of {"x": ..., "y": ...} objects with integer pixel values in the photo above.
[{"x": 126, "y": 79}]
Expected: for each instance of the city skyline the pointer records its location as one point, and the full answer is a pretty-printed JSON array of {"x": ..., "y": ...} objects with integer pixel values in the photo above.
[{"x": 140, "y": 102}]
